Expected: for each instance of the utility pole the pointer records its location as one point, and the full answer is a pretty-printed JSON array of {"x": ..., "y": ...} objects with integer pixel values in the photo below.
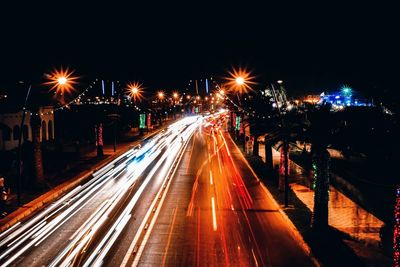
[
  {"x": 285, "y": 150},
  {"x": 20, "y": 147}
]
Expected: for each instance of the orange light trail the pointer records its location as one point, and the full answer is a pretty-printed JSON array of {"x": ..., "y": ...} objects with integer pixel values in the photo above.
[{"x": 214, "y": 214}]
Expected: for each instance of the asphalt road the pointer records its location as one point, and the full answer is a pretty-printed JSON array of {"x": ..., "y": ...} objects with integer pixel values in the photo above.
[
  {"x": 217, "y": 214},
  {"x": 179, "y": 200},
  {"x": 96, "y": 223}
]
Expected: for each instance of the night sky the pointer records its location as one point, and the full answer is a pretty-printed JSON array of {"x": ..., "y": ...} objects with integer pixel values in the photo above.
[{"x": 312, "y": 47}]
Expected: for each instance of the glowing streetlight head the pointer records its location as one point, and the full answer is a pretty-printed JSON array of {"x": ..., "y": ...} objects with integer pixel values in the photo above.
[
  {"x": 134, "y": 90},
  {"x": 240, "y": 80},
  {"x": 61, "y": 81},
  {"x": 160, "y": 95},
  {"x": 175, "y": 95},
  {"x": 279, "y": 81},
  {"x": 198, "y": 97},
  {"x": 221, "y": 92},
  {"x": 188, "y": 97}
]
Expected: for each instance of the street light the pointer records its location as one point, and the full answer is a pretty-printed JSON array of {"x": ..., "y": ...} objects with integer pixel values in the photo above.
[
  {"x": 240, "y": 80},
  {"x": 160, "y": 95},
  {"x": 61, "y": 81},
  {"x": 134, "y": 90}
]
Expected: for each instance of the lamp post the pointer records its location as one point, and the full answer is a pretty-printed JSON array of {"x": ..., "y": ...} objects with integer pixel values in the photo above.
[
  {"x": 160, "y": 96},
  {"x": 60, "y": 81},
  {"x": 175, "y": 97},
  {"x": 285, "y": 146},
  {"x": 134, "y": 90},
  {"x": 20, "y": 147},
  {"x": 240, "y": 83}
]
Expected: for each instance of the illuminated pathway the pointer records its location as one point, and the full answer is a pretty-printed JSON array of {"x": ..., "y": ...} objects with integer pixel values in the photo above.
[
  {"x": 98, "y": 222},
  {"x": 217, "y": 214}
]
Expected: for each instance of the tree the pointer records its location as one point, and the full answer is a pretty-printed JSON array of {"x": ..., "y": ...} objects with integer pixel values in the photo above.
[
  {"x": 319, "y": 134},
  {"x": 287, "y": 131},
  {"x": 396, "y": 230},
  {"x": 36, "y": 123}
]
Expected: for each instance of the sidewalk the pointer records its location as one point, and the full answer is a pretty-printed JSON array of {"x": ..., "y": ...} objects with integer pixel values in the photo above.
[
  {"x": 357, "y": 229},
  {"x": 79, "y": 171}
]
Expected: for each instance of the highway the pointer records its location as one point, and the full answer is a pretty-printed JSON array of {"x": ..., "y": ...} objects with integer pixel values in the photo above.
[
  {"x": 97, "y": 222},
  {"x": 185, "y": 197},
  {"x": 217, "y": 214}
]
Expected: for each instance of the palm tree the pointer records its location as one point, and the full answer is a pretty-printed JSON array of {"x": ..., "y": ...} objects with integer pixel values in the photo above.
[
  {"x": 319, "y": 133},
  {"x": 396, "y": 230},
  {"x": 268, "y": 152},
  {"x": 36, "y": 123},
  {"x": 286, "y": 133}
]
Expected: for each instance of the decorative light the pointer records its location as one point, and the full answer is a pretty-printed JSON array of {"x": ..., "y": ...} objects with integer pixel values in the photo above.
[
  {"x": 346, "y": 90},
  {"x": 396, "y": 231}
]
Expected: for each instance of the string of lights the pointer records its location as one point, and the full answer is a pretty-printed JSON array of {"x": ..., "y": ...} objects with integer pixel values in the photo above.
[
  {"x": 74, "y": 101},
  {"x": 249, "y": 113},
  {"x": 396, "y": 232}
]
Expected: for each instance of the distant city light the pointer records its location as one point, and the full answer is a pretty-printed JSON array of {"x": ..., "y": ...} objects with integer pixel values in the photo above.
[{"x": 346, "y": 90}]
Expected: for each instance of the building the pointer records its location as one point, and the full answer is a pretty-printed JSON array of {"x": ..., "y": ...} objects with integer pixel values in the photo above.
[
  {"x": 312, "y": 99},
  {"x": 10, "y": 127},
  {"x": 343, "y": 98}
]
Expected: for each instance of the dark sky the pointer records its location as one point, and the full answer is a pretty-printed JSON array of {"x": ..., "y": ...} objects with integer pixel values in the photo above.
[{"x": 312, "y": 47}]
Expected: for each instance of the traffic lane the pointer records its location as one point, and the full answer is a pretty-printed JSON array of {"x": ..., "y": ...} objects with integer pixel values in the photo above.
[
  {"x": 57, "y": 229},
  {"x": 241, "y": 246},
  {"x": 174, "y": 236},
  {"x": 46, "y": 251},
  {"x": 154, "y": 180},
  {"x": 190, "y": 238},
  {"x": 272, "y": 230},
  {"x": 58, "y": 240},
  {"x": 122, "y": 244}
]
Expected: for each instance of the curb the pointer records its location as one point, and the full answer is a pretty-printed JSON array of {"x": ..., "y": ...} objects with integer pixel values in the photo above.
[
  {"x": 41, "y": 201},
  {"x": 295, "y": 232}
]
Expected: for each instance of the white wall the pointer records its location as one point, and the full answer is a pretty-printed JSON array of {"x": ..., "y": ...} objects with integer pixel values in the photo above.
[{"x": 14, "y": 119}]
